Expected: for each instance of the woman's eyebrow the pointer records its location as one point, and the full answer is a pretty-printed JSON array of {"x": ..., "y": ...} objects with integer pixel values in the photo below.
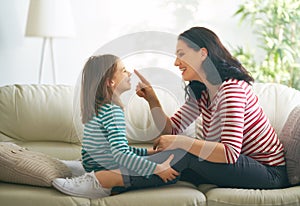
[{"x": 178, "y": 50}]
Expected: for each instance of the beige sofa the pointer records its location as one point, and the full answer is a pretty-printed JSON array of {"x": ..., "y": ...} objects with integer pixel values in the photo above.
[{"x": 45, "y": 118}]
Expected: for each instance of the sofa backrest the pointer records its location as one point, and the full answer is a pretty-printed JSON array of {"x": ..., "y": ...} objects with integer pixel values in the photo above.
[
  {"x": 169, "y": 88},
  {"x": 50, "y": 112},
  {"x": 38, "y": 113},
  {"x": 141, "y": 127},
  {"x": 278, "y": 101}
]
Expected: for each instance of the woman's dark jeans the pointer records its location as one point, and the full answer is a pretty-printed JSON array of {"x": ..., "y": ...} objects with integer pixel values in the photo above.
[{"x": 245, "y": 173}]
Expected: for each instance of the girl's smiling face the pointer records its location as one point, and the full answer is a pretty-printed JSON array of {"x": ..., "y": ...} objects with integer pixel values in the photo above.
[{"x": 121, "y": 79}]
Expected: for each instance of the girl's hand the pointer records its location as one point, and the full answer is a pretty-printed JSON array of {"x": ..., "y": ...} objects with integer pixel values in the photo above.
[
  {"x": 151, "y": 151},
  {"x": 165, "y": 171},
  {"x": 144, "y": 88}
]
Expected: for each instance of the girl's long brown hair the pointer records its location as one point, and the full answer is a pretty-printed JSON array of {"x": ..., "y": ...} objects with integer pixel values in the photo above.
[{"x": 97, "y": 71}]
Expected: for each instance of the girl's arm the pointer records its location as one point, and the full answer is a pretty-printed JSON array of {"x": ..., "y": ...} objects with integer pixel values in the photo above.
[
  {"x": 143, "y": 151},
  {"x": 139, "y": 150},
  {"x": 114, "y": 123}
]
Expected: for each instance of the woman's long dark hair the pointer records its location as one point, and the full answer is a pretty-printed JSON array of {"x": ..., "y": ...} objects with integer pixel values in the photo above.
[
  {"x": 94, "y": 89},
  {"x": 219, "y": 65}
]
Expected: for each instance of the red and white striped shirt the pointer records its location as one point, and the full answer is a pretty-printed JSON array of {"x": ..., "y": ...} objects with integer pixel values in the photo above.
[{"x": 235, "y": 119}]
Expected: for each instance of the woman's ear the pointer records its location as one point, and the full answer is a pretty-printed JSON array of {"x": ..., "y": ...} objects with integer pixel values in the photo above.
[{"x": 204, "y": 52}]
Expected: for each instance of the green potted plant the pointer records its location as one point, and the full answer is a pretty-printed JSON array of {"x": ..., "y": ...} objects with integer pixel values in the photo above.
[{"x": 277, "y": 26}]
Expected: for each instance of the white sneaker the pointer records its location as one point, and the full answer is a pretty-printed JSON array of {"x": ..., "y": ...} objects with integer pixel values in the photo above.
[{"x": 86, "y": 185}]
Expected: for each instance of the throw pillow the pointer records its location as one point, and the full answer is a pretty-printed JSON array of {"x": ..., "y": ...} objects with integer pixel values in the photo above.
[
  {"x": 290, "y": 137},
  {"x": 19, "y": 165}
]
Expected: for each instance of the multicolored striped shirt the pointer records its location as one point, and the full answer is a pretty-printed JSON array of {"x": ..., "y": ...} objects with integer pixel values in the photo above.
[
  {"x": 235, "y": 119},
  {"x": 105, "y": 146}
]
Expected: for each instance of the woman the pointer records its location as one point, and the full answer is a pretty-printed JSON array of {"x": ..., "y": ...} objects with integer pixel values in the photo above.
[{"x": 239, "y": 147}]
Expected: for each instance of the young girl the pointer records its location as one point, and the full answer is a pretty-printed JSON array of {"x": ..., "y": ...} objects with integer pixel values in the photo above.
[{"x": 105, "y": 148}]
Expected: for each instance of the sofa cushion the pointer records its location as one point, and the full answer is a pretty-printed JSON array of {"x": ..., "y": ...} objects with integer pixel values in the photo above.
[
  {"x": 19, "y": 165},
  {"x": 179, "y": 194},
  {"x": 290, "y": 137},
  {"x": 242, "y": 197},
  {"x": 26, "y": 195}
]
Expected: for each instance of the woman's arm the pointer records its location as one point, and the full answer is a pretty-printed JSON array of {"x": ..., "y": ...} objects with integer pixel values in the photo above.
[
  {"x": 206, "y": 150},
  {"x": 145, "y": 90},
  {"x": 231, "y": 110},
  {"x": 176, "y": 124},
  {"x": 210, "y": 151},
  {"x": 161, "y": 120}
]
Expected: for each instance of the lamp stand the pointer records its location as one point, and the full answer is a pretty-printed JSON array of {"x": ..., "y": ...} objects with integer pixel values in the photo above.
[{"x": 45, "y": 40}]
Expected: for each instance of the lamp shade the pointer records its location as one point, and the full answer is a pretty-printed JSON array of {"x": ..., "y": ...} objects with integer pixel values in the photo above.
[{"x": 50, "y": 18}]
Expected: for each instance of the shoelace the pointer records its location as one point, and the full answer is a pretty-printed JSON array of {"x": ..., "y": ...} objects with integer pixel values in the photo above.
[{"x": 83, "y": 179}]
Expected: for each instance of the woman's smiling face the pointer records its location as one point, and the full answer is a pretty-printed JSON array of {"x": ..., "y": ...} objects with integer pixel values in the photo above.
[{"x": 189, "y": 61}]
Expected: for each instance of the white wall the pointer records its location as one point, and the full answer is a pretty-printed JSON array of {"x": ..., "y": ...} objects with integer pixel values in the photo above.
[{"x": 100, "y": 21}]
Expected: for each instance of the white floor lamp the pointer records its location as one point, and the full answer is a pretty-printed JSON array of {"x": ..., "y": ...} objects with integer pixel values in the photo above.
[{"x": 49, "y": 19}]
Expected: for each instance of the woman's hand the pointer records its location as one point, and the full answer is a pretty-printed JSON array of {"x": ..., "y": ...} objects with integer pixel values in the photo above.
[
  {"x": 170, "y": 142},
  {"x": 165, "y": 171},
  {"x": 144, "y": 88}
]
